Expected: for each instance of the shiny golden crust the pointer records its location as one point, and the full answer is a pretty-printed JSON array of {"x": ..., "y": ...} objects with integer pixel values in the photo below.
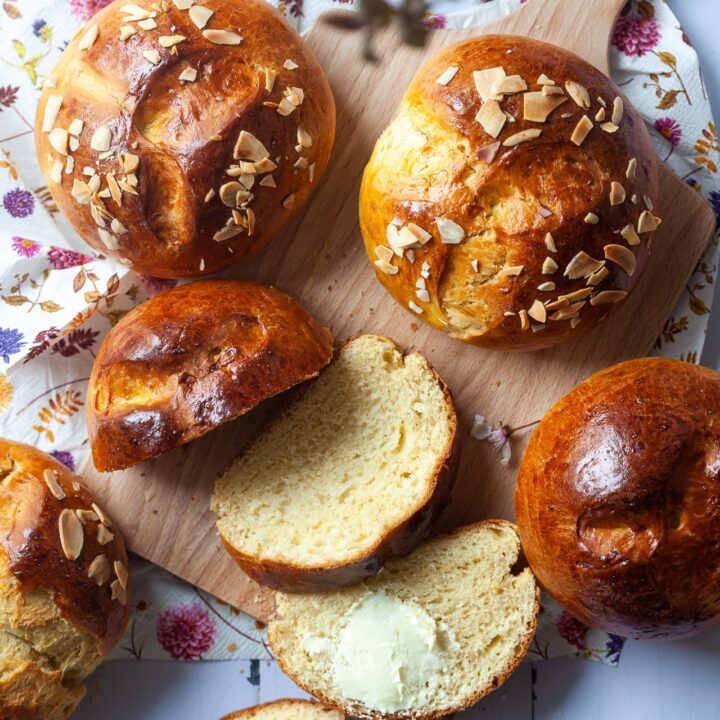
[
  {"x": 56, "y": 622},
  {"x": 286, "y": 710},
  {"x": 436, "y": 160},
  {"x": 184, "y": 133},
  {"x": 617, "y": 499},
  {"x": 191, "y": 359}
]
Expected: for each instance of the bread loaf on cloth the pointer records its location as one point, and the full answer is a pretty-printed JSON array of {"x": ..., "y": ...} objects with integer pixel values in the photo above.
[
  {"x": 192, "y": 358},
  {"x": 428, "y": 637},
  {"x": 286, "y": 710},
  {"x": 179, "y": 136},
  {"x": 618, "y": 499},
  {"x": 352, "y": 473},
  {"x": 63, "y": 585},
  {"x": 511, "y": 202}
]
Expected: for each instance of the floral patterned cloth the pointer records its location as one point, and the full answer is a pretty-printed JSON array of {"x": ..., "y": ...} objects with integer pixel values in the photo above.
[{"x": 58, "y": 298}]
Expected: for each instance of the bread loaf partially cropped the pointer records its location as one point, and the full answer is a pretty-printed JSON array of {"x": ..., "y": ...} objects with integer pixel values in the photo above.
[
  {"x": 350, "y": 475},
  {"x": 286, "y": 710},
  {"x": 63, "y": 585},
  {"x": 192, "y": 358},
  {"x": 429, "y": 636},
  {"x": 179, "y": 137},
  {"x": 512, "y": 200}
]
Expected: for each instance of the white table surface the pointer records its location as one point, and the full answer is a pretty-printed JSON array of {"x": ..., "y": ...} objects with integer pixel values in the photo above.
[{"x": 658, "y": 681}]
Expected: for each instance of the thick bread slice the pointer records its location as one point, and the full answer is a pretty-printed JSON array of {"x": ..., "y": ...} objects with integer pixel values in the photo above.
[
  {"x": 468, "y": 582},
  {"x": 286, "y": 710},
  {"x": 351, "y": 474}
]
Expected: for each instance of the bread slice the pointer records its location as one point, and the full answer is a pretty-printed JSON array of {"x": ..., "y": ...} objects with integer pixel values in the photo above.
[
  {"x": 469, "y": 582},
  {"x": 351, "y": 474},
  {"x": 286, "y": 710}
]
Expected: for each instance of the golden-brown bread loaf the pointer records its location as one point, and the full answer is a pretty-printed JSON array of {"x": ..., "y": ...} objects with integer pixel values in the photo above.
[
  {"x": 514, "y": 229},
  {"x": 287, "y": 710},
  {"x": 618, "y": 499},
  {"x": 192, "y": 358},
  {"x": 164, "y": 136},
  {"x": 63, "y": 585}
]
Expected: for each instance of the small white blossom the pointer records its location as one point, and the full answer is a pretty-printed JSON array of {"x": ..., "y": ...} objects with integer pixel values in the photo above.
[{"x": 496, "y": 435}]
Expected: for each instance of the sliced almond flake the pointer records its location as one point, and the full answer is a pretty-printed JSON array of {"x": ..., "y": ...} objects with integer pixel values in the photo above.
[
  {"x": 246, "y": 180},
  {"x": 450, "y": 232},
  {"x": 137, "y": 11},
  {"x": 117, "y": 227},
  {"x": 290, "y": 64},
  {"x": 288, "y": 201},
  {"x": 101, "y": 139},
  {"x": 488, "y": 152},
  {"x": 423, "y": 295},
  {"x": 509, "y": 313},
  {"x": 550, "y": 90},
  {"x": 248, "y": 147},
  {"x": 301, "y": 163},
  {"x": 602, "y": 102},
  {"x": 247, "y": 168},
  {"x": 86, "y": 516},
  {"x": 50, "y": 478},
  {"x": 574, "y": 322},
  {"x": 591, "y": 219},
  {"x": 285, "y": 107},
  {"x": 228, "y": 193},
  {"x": 126, "y": 31},
  {"x": 89, "y": 37},
  {"x": 295, "y": 95},
  {"x": 202, "y": 264},
  {"x": 447, "y": 76},
  {"x": 582, "y": 130},
  {"x": 648, "y": 202},
  {"x": 209, "y": 195},
  {"x": 578, "y": 93},
  {"x": 167, "y": 41},
  {"x": 546, "y": 287},
  {"x": 104, "y": 194},
  {"x": 200, "y": 15},
  {"x": 69, "y": 164},
  {"x": 617, "y": 193},
  {"x": 609, "y": 127},
  {"x": 148, "y": 24},
  {"x": 125, "y": 186},
  {"x": 622, "y": 256},
  {"x": 268, "y": 181},
  {"x": 634, "y": 199},
  {"x": 550, "y": 242},
  {"x": 559, "y": 303},
  {"x": 239, "y": 218},
  {"x": 183, "y": 4},
  {"x": 569, "y": 312},
  {"x": 421, "y": 234},
  {"x": 608, "y": 297},
  {"x": 129, "y": 162},
  {"x": 474, "y": 265},
  {"x": 415, "y": 307},
  {"x": 99, "y": 570},
  {"x": 227, "y": 232},
  {"x": 600, "y": 115},
  {"x": 98, "y": 215},
  {"x": 537, "y": 311},
  {"x": 524, "y": 320},
  {"x": 94, "y": 183},
  {"x": 410, "y": 255},
  {"x": 631, "y": 169},
  {"x": 114, "y": 188},
  {"x": 564, "y": 116},
  {"x": 573, "y": 297},
  {"x": 105, "y": 155},
  {"x": 73, "y": 144},
  {"x": 311, "y": 172},
  {"x": 222, "y": 37},
  {"x": 537, "y": 107},
  {"x": 421, "y": 283},
  {"x": 544, "y": 80},
  {"x": 117, "y": 592},
  {"x": 264, "y": 166},
  {"x": 509, "y": 85},
  {"x": 630, "y": 235},
  {"x": 270, "y": 75},
  {"x": 484, "y": 81},
  {"x": 89, "y": 171},
  {"x": 617, "y": 112},
  {"x": 110, "y": 241},
  {"x": 152, "y": 56},
  {"x": 511, "y": 270},
  {"x": 382, "y": 252},
  {"x": 81, "y": 191},
  {"x": 549, "y": 266},
  {"x": 510, "y": 118},
  {"x": 72, "y": 537},
  {"x": 189, "y": 74},
  {"x": 58, "y": 139},
  {"x": 544, "y": 212},
  {"x": 121, "y": 574},
  {"x": 250, "y": 220},
  {"x": 582, "y": 266},
  {"x": 50, "y": 113},
  {"x": 647, "y": 222},
  {"x": 522, "y": 137},
  {"x": 76, "y": 127},
  {"x": 304, "y": 138},
  {"x": 56, "y": 172}
]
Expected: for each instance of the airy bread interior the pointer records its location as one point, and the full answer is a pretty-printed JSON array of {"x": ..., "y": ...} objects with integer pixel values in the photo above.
[
  {"x": 349, "y": 461},
  {"x": 287, "y": 710},
  {"x": 467, "y": 580}
]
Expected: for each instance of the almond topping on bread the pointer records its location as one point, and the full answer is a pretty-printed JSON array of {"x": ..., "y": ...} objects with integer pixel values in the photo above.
[
  {"x": 447, "y": 76},
  {"x": 621, "y": 256},
  {"x": 537, "y": 106},
  {"x": 72, "y": 536},
  {"x": 491, "y": 117},
  {"x": 578, "y": 93},
  {"x": 522, "y": 137},
  {"x": 582, "y": 130},
  {"x": 222, "y": 37},
  {"x": 51, "y": 481},
  {"x": 607, "y": 297},
  {"x": 200, "y": 15},
  {"x": 450, "y": 232},
  {"x": 485, "y": 80}
]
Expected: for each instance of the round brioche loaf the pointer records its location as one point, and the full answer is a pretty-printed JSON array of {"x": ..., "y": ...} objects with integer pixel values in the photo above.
[
  {"x": 286, "y": 710},
  {"x": 510, "y": 201},
  {"x": 181, "y": 137},
  {"x": 192, "y": 358},
  {"x": 63, "y": 585},
  {"x": 618, "y": 499}
]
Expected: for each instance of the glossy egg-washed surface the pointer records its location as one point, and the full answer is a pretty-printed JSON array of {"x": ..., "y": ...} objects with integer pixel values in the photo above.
[
  {"x": 192, "y": 358},
  {"x": 184, "y": 133},
  {"x": 429, "y": 164},
  {"x": 618, "y": 499}
]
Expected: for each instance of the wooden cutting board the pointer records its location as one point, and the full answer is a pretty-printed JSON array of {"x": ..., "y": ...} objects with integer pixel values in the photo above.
[{"x": 162, "y": 505}]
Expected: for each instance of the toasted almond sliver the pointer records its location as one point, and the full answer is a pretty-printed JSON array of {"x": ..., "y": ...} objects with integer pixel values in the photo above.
[
  {"x": 270, "y": 76},
  {"x": 524, "y": 320},
  {"x": 76, "y": 127},
  {"x": 647, "y": 222},
  {"x": 537, "y": 311},
  {"x": 617, "y": 193},
  {"x": 546, "y": 286},
  {"x": 152, "y": 56},
  {"x": 89, "y": 37},
  {"x": 58, "y": 139},
  {"x": 617, "y": 112},
  {"x": 110, "y": 241},
  {"x": 227, "y": 232},
  {"x": 199, "y": 14},
  {"x": 521, "y": 137},
  {"x": 582, "y": 265},
  {"x": 72, "y": 536},
  {"x": 607, "y": 297},
  {"x": 544, "y": 80},
  {"x": 511, "y": 270},
  {"x": 485, "y": 80},
  {"x": 582, "y": 130},
  {"x": 552, "y": 90},
  {"x": 382, "y": 252},
  {"x": 104, "y": 536},
  {"x": 537, "y": 106},
  {"x": 183, "y": 4},
  {"x": 609, "y": 127},
  {"x": 600, "y": 115},
  {"x": 549, "y": 266},
  {"x": 597, "y": 277},
  {"x": 508, "y": 85},
  {"x": 126, "y": 31},
  {"x": 117, "y": 227},
  {"x": 121, "y": 574},
  {"x": 56, "y": 172},
  {"x": 189, "y": 74},
  {"x": 450, "y": 232},
  {"x": 148, "y": 24},
  {"x": 386, "y": 267},
  {"x": 117, "y": 592},
  {"x": 99, "y": 570},
  {"x": 550, "y": 242},
  {"x": 447, "y": 76},
  {"x": 101, "y": 139},
  {"x": 222, "y": 37},
  {"x": 51, "y": 481},
  {"x": 288, "y": 201},
  {"x": 167, "y": 41},
  {"x": 415, "y": 307},
  {"x": 86, "y": 516},
  {"x": 573, "y": 297},
  {"x": 630, "y": 234},
  {"x": 631, "y": 169},
  {"x": 592, "y": 219},
  {"x": 50, "y": 113},
  {"x": 488, "y": 152},
  {"x": 290, "y": 64},
  {"x": 491, "y": 117},
  {"x": 578, "y": 93},
  {"x": 248, "y": 147},
  {"x": 268, "y": 181},
  {"x": 622, "y": 256}
]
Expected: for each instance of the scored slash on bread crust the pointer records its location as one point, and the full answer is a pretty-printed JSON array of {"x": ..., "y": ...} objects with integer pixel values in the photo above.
[
  {"x": 475, "y": 594},
  {"x": 192, "y": 358},
  {"x": 352, "y": 446},
  {"x": 293, "y": 709}
]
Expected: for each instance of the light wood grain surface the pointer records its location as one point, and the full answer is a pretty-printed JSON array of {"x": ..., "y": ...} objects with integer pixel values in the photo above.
[{"x": 162, "y": 505}]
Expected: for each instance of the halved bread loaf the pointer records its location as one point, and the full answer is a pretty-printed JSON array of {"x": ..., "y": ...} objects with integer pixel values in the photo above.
[
  {"x": 286, "y": 710},
  {"x": 350, "y": 475},
  {"x": 429, "y": 636}
]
